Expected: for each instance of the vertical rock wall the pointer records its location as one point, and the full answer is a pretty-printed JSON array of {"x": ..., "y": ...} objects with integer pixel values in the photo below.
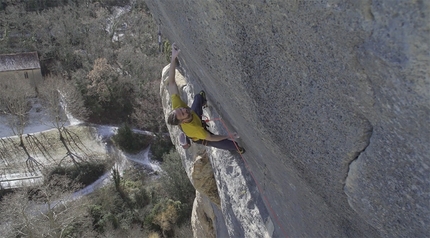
[
  {"x": 332, "y": 100},
  {"x": 227, "y": 202}
]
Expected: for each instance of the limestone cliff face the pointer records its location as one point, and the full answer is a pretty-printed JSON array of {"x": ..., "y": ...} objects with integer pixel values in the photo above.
[
  {"x": 227, "y": 204},
  {"x": 332, "y": 102}
]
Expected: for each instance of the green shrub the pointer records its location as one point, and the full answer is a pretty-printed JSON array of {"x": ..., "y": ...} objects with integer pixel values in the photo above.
[
  {"x": 167, "y": 49},
  {"x": 135, "y": 187},
  {"x": 160, "y": 146},
  {"x": 184, "y": 230},
  {"x": 121, "y": 205},
  {"x": 107, "y": 210},
  {"x": 74, "y": 229},
  {"x": 165, "y": 214},
  {"x": 175, "y": 180},
  {"x": 4, "y": 192},
  {"x": 177, "y": 184},
  {"x": 84, "y": 173},
  {"x": 129, "y": 141},
  {"x": 141, "y": 198},
  {"x": 96, "y": 212}
]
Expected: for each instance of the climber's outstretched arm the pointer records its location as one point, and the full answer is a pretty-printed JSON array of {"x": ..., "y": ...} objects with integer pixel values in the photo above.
[{"x": 172, "y": 87}]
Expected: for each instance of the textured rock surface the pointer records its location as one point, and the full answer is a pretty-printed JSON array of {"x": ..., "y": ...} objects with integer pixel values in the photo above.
[
  {"x": 332, "y": 101},
  {"x": 242, "y": 212},
  {"x": 203, "y": 217},
  {"x": 203, "y": 179}
]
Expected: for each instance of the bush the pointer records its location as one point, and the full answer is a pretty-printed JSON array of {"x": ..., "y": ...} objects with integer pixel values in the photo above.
[
  {"x": 129, "y": 141},
  {"x": 107, "y": 210},
  {"x": 96, "y": 212},
  {"x": 177, "y": 184},
  {"x": 167, "y": 49},
  {"x": 84, "y": 173},
  {"x": 133, "y": 182},
  {"x": 161, "y": 146},
  {"x": 121, "y": 205},
  {"x": 175, "y": 180},
  {"x": 165, "y": 214},
  {"x": 4, "y": 192},
  {"x": 185, "y": 230}
]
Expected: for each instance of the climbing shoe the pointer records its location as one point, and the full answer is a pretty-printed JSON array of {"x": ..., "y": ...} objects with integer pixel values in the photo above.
[
  {"x": 241, "y": 150},
  {"x": 204, "y": 98}
]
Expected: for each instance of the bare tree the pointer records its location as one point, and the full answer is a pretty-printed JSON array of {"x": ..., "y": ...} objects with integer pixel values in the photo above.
[
  {"x": 48, "y": 210},
  {"x": 61, "y": 97},
  {"x": 72, "y": 100},
  {"x": 51, "y": 95},
  {"x": 14, "y": 100}
]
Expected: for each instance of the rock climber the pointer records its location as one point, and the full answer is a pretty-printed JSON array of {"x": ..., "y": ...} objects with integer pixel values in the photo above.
[{"x": 190, "y": 119}]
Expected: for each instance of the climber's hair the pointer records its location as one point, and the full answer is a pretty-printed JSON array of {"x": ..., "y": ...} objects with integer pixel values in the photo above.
[{"x": 172, "y": 119}]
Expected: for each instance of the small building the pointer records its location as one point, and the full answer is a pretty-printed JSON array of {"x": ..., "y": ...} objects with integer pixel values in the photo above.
[{"x": 21, "y": 66}]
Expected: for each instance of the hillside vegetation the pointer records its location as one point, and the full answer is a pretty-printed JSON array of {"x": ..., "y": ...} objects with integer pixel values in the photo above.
[
  {"x": 110, "y": 54},
  {"x": 103, "y": 59}
]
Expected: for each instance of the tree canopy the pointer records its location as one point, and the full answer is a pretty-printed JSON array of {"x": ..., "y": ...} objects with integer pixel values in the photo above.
[{"x": 107, "y": 50}]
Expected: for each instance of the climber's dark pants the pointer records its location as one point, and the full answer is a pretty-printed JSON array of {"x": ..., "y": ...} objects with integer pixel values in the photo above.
[
  {"x": 197, "y": 107},
  {"x": 224, "y": 144}
]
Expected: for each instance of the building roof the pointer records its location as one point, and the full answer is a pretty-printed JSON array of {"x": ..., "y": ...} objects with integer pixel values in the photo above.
[{"x": 20, "y": 61}]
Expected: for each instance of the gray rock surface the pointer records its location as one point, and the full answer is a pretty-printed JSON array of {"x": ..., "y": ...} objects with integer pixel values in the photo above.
[
  {"x": 242, "y": 212},
  {"x": 203, "y": 217},
  {"x": 203, "y": 179},
  {"x": 332, "y": 102}
]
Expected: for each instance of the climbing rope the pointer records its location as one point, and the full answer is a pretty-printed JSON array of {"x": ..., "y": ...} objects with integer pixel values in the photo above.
[{"x": 266, "y": 201}]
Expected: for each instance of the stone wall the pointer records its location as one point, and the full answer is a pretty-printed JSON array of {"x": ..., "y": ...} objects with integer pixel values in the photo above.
[{"x": 332, "y": 102}]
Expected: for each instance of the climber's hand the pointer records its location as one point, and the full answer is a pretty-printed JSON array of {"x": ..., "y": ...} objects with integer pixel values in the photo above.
[
  {"x": 235, "y": 136},
  {"x": 175, "y": 51}
]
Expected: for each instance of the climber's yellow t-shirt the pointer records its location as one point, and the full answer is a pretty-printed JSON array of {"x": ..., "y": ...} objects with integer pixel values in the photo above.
[{"x": 194, "y": 129}]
